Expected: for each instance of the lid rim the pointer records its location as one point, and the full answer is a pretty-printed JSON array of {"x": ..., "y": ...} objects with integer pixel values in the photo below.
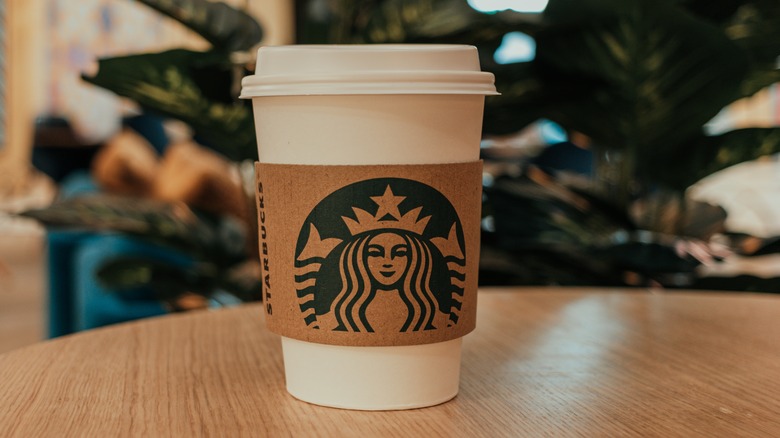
[
  {"x": 367, "y": 92},
  {"x": 378, "y": 76},
  {"x": 367, "y": 69}
]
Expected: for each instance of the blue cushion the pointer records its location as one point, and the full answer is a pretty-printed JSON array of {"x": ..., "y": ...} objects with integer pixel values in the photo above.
[
  {"x": 77, "y": 300},
  {"x": 94, "y": 304}
]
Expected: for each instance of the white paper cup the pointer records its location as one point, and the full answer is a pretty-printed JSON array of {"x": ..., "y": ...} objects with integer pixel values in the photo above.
[{"x": 366, "y": 105}]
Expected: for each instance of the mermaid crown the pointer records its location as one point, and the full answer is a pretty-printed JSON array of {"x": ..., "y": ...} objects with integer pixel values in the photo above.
[{"x": 387, "y": 216}]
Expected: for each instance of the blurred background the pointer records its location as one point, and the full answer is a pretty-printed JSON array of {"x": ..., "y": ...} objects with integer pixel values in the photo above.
[{"x": 634, "y": 145}]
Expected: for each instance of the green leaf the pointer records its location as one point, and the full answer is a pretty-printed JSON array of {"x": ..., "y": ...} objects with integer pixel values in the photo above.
[
  {"x": 221, "y": 240},
  {"x": 651, "y": 74},
  {"x": 194, "y": 87},
  {"x": 226, "y": 28}
]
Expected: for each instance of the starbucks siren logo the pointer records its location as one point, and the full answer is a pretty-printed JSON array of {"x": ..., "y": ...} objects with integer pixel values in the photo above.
[{"x": 381, "y": 255}]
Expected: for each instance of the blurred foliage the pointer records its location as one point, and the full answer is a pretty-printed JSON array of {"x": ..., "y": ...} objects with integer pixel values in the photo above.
[
  {"x": 557, "y": 231},
  {"x": 639, "y": 78}
]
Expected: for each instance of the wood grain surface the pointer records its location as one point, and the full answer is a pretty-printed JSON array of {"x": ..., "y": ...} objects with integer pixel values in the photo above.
[{"x": 542, "y": 362}]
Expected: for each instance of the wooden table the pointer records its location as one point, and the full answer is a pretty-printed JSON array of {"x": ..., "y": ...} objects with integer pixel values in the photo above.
[{"x": 542, "y": 362}]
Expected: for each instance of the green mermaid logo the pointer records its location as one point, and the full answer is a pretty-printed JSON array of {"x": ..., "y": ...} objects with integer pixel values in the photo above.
[{"x": 382, "y": 255}]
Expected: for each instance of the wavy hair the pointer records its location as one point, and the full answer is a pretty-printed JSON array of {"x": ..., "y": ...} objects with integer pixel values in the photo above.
[{"x": 358, "y": 288}]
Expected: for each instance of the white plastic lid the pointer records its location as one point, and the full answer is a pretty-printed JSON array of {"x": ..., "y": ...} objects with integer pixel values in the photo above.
[{"x": 367, "y": 69}]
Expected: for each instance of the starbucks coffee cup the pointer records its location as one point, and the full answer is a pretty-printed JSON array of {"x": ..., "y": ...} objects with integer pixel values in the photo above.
[{"x": 369, "y": 195}]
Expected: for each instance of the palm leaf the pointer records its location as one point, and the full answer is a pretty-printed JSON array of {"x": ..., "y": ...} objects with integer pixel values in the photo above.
[{"x": 646, "y": 68}]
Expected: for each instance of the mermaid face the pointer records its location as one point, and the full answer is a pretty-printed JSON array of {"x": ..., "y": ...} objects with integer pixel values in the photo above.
[{"x": 387, "y": 258}]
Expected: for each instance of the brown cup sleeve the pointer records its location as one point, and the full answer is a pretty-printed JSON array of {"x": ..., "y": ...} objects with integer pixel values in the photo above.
[{"x": 374, "y": 255}]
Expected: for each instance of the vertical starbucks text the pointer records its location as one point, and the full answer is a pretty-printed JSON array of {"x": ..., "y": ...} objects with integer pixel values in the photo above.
[{"x": 264, "y": 248}]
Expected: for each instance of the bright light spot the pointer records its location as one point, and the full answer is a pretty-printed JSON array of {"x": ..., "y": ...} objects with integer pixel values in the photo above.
[
  {"x": 515, "y": 47},
  {"x": 493, "y": 6},
  {"x": 487, "y": 179},
  {"x": 552, "y": 132},
  {"x": 489, "y": 224}
]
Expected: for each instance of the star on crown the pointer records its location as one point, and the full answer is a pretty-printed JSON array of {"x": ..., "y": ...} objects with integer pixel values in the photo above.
[{"x": 387, "y": 216}]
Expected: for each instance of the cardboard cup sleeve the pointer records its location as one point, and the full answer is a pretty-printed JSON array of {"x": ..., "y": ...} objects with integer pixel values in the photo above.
[{"x": 370, "y": 255}]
